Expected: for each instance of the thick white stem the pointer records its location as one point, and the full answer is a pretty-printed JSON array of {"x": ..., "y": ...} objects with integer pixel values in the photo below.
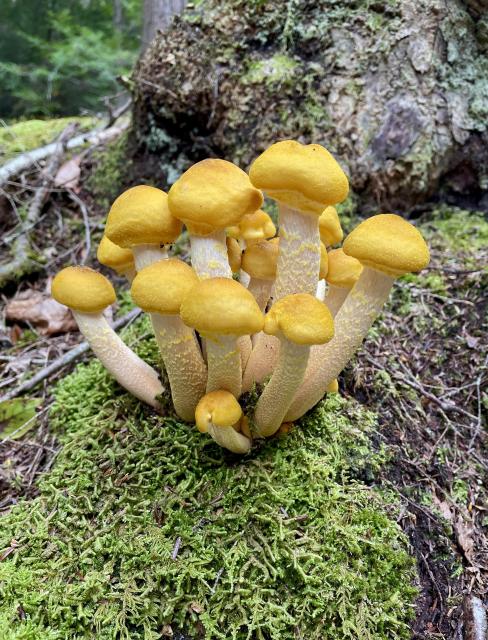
[
  {"x": 244, "y": 278},
  {"x": 146, "y": 254},
  {"x": 224, "y": 364},
  {"x": 278, "y": 393},
  {"x": 299, "y": 254},
  {"x": 361, "y": 307},
  {"x": 261, "y": 290},
  {"x": 262, "y": 360},
  {"x": 321, "y": 289},
  {"x": 209, "y": 255},
  {"x": 230, "y": 439},
  {"x": 335, "y": 298},
  {"x": 122, "y": 363},
  {"x": 183, "y": 362}
]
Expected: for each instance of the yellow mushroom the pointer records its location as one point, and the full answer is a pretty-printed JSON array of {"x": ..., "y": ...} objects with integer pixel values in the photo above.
[
  {"x": 234, "y": 254},
  {"x": 259, "y": 261},
  {"x": 330, "y": 227},
  {"x": 342, "y": 275},
  {"x": 87, "y": 293},
  {"x": 387, "y": 246},
  {"x": 160, "y": 289},
  {"x": 219, "y": 414},
  {"x": 116, "y": 258},
  {"x": 253, "y": 227}
]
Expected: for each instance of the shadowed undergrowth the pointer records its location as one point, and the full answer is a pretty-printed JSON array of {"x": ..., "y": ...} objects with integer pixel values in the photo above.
[{"x": 145, "y": 527}]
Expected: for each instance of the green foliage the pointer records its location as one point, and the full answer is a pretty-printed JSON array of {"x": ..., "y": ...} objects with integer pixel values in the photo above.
[
  {"x": 18, "y": 416},
  {"x": 143, "y": 522},
  {"x": 55, "y": 60}
]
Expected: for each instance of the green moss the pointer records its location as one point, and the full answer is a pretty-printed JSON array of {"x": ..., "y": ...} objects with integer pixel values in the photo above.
[
  {"x": 110, "y": 167},
  {"x": 277, "y": 69},
  {"x": 143, "y": 522},
  {"x": 30, "y": 134},
  {"x": 457, "y": 229}
]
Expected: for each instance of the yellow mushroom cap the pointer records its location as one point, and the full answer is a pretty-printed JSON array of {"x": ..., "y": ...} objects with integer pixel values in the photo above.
[
  {"x": 305, "y": 177},
  {"x": 234, "y": 254},
  {"x": 388, "y": 243},
  {"x": 141, "y": 216},
  {"x": 219, "y": 408},
  {"x": 162, "y": 286},
  {"x": 301, "y": 318},
  {"x": 344, "y": 270},
  {"x": 324, "y": 261},
  {"x": 82, "y": 289},
  {"x": 212, "y": 195},
  {"x": 330, "y": 227},
  {"x": 259, "y": 260},
  {"x": 113, "y": 256},
  {"x": 221, "y": 306},
  {"x": 253, "y": 227}
]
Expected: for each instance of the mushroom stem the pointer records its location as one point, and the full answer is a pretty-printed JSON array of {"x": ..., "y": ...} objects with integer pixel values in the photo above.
[
  {"x": 122, "y": 363},
  {"x": 262, "y": 360},
  {"x": 261, "y": 290},
  {"x": 224, "y": 364},
  {"x": 353, "y": 320},
  {"x": 209, "y": 255},
  {"x": 146, "y": 254},
  {"x": 229, "y": 438},
  {"x": 278, "y": 393},
  {"x": 183, "y": 361},
  {"x": 321, "y": 289},
  {"x": 299, "y": 255},
  {"x": 335, "y": 298}
]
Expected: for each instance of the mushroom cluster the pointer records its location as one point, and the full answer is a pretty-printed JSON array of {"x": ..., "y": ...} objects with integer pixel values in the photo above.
[{"x": 280, "y": 315}]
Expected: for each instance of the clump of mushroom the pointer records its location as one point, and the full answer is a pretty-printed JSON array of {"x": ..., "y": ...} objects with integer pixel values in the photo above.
[{"x": 252, "y": 312}]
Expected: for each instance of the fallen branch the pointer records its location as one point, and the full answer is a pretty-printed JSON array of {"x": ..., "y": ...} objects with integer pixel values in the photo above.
[{"x": 64, "y": 360}]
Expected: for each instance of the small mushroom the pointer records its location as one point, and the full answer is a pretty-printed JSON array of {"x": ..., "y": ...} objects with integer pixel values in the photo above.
[
  {"x": 87, "y": 293},
  {"x": 160, "y": 289},
  {"x": 342, "y": 275},
  {"x": 299, "y": 321},
  {"x": 219, "y": 414},
  {"x": 253, "y": 227},
  {"x": 304, "y": 179},
  {"x": 221, "y": 310},
  {"x": 116, "y": 258},
  {"x": 330, "y": 227},
  {"x": 259, "y": 261},
  {"x": 140, "y": 220},
  {"x": 387, "y": 246},
  {"x": 210, "y": 196}
]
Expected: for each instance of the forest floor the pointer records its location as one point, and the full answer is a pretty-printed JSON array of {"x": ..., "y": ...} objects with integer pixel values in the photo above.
[{"x": 423, "y": 370}]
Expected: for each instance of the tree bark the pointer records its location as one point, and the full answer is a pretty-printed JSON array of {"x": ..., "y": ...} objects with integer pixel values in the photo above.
[{"x": 158, "y": 14}]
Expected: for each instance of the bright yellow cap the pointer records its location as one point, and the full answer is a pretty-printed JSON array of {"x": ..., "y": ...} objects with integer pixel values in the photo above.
[
  {"x": 212, "y": 195},
  {"x": 253, "y": 227},
  {"x": 259, "y": 260},
  {"x": 162, "y": 286},
  {"x": 388, "y": 243},
  {"x": 113, "y": 256},
  {"x": 218, "y": 408},
  {"x": 141, "y": 216},
  {"x": 221, "y": 306},
  {"x": 324, "y": 261},
  {"x": 82, "y": 289},
  {"x": 330, "y": 227},
  {"x": 344, "y": 270},
  {"x": 305, "y": 177},
  {"x": 332, "y": 387},
  {"x": 234, "y": 254},
  {"x": 301, "y": 318}
]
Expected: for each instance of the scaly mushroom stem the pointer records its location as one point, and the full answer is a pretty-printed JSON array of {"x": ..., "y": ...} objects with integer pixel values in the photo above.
[
  {"x": 262, "y": 360},
  {"x": 261, "y": 290},
  {"x": 183, "y": 361},
  {"x": 335, "y": 298},
  {"x": 224, "y": 364},
  {"x": 361, "y": 307},
  {"x": 146, "y": 254},
  {"x": 278, "y": 393},
  {"x": 229, "y": 438},
  {"x": 244, "y": 344},
  {"x": 299, "y": 256},
  {"x": 122, "y": 363},
  {"x": 209, "y": 255}
]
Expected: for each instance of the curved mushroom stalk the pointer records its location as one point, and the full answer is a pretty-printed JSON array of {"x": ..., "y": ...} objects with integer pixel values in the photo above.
[
  {"x": 122, "y": 363},
  {"x": 335, "y": 298},
  {"x": 262, "y": 361},
  {"x": 261, "y": 290},
  {"x": 219, "y": 414},
  {"x": 355, "y": 317},
  {"x": 183, "y": 361},
  {"x": 299, "y": 256},
  {"x": 229, "y": 438},
  {"x": 224, "y": 364},
  {"x": 147, "y": 254},
  {"x": 209, "y": 255},
  {"x": 278, "y": 393}
]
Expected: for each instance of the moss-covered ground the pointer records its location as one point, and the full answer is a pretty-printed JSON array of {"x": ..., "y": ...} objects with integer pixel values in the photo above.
[{"x": 144, "y": 528}]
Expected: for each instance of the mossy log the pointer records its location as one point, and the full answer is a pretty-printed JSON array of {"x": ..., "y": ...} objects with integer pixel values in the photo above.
[{"x": 396, "y": 89}]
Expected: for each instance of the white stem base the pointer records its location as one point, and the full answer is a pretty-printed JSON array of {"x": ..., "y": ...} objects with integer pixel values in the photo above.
[
  {"x": 122, "y": 363},
  {"x": 224, "y": 365},
  {"x": 360, "y": 309},
  {"x": 147, "y": 254},
  {"x": 278, "y": 393},
  {"x": 209, "y": 255},
  {"x": 299, "y": 255},
  {"x": 183, "y": 361},
  {"x": 335, "y": 298}
]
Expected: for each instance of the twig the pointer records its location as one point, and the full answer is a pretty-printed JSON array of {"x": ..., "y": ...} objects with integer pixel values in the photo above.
[{"x": 64, "y": 360}]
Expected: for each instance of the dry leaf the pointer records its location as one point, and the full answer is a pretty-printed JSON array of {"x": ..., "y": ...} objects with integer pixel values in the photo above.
[
  {"x": 464, "y": 534},
  {"x": 68, "y": 174},
  {"x": 42, "y": 312}
]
